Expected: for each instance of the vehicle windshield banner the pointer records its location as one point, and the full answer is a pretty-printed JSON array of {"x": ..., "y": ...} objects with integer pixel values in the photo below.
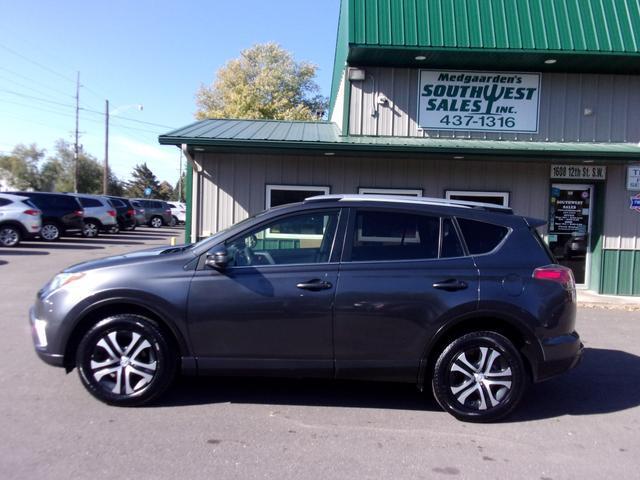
[{"x": 479, "y": 101}]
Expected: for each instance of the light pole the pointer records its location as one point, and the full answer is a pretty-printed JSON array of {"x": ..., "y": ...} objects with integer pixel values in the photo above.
[{"x": 105, "y": 172}]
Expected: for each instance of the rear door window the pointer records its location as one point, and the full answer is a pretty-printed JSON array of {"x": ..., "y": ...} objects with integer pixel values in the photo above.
[
  {"x": 386, "y": 235},
  {"x": 451, "y": 245},
  {"x": 481, "y": 237},
  {"x": 4, "y": 202}
]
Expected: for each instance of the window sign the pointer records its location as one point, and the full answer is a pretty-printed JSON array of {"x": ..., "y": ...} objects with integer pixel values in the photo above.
[
  {"x": 578, "y": 172},
  {"x": 633, "y": 177},
  {"x": 479, "y": 101}
]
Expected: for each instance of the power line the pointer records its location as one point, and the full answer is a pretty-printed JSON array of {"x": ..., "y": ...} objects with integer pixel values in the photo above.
[
  {"x": 41, "y": 84},
  {"x": 36, "y": 98},
  {"x": 38, "y": 64}
]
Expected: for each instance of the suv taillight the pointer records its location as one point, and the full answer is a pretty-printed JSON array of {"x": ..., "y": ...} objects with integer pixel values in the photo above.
[
  {"x": 79, "y": 213},
  {"x": 111, "y": 213},
  {"x": 168, "y": 210},
  {"x": 556, "y": 273},
  {"x": 131, "y": 212},
  {"x": 33, "y": 212}
]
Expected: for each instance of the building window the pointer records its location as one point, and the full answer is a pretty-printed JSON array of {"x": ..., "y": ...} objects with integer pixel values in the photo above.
[
  {"x": 495, "y": 198},
  {"x": 414, "y": 192},
  {"x": 283, "y": 194}
]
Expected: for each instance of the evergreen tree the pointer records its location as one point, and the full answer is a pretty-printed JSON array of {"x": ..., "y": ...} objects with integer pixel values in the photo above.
[{"x": 142, "y": 177}]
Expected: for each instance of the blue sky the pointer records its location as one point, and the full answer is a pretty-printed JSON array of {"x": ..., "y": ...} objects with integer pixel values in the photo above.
[{"x": 154, "y": 53}]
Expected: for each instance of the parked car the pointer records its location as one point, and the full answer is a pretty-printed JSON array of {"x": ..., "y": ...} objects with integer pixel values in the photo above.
[
  {"x": 19, "y": 220},
  {"x": 99, "y": 215},
  {"x": 430, "y": 291},
  {"x": 178, "y": 212},
  {"x": 156, "y": 212},
  {"x": 62, "y": 214},
  {"x": 125, "y": 213},
  {"x": 141, "y": 219}
]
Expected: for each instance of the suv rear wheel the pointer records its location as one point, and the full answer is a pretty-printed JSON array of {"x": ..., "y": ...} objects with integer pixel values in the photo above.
[
  {"x": 125, "y": 360},
  {"x": 479, "y": 377},
  {"x": 50, "y": 232},
  {"x": 156, "y": 222},
  {"x": 91, "y": 228},
  {"x": 9, "y": 236}
]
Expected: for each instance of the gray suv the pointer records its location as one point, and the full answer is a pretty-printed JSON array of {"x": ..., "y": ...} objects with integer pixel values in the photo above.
[
  {"x": 157, "y": 212},
  {"x": 426, "y": 291},
  {"x": 99, "y": 215}
]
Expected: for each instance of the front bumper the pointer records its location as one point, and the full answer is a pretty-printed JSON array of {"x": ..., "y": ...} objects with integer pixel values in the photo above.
[
  {"x": 40, "y": 341},
  {"x": 560, "y": 354}
]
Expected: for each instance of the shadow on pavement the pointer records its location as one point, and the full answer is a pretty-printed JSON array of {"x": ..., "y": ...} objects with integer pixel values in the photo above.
[
  {"x": 23, "y": 252},
  {"x": 100, "y": 240},
  {"x": 275, "y": 391},
  {"x": 606, "y": 381},
  {"x": 63, "y": 245}
]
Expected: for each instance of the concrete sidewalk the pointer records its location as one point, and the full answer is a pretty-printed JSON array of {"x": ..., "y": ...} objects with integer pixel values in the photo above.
[{"x": 590, "y": 299}]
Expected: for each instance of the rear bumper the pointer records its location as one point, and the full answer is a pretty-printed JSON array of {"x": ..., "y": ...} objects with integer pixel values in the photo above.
[{"x": 560, "y": 353}]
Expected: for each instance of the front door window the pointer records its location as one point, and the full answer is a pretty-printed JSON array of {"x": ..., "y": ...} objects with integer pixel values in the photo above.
[{"x": 570, "y": 213}]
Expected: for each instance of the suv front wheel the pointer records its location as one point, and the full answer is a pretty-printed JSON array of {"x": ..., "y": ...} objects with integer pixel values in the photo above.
[
  {"x": 479, "y": 377},
  {"x": 125, "y": 360}
]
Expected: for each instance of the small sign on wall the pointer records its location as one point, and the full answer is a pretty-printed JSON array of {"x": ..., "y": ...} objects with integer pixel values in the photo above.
[
  {"x": 578, "y": 172},
  {"x": 633, "y": 177},
  {"x": 635, "y": 202}
]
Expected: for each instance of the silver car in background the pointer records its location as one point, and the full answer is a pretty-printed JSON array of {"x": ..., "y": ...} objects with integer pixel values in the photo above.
[
  {"x": 99, "y": 215},
  {"x": 19, "y": 220}
]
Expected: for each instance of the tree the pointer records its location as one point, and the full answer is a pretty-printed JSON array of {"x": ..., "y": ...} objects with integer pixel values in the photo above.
[
  {"x": 265, "y": 82},
  {"x": 22, "y": 167},
  {"x": 165, "y": 191},
  {"x": 142, "y": 177},
  {"x": 89, "y": 169},
  {"x": 179, "y": 194}
]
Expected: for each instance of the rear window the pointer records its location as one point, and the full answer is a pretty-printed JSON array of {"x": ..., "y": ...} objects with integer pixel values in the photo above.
[
  {"x": 4, "y": 201},
  {"x": 117, "y": 202},
  {"x": 90, "y": 202},
  {"x": 171, "y": 205},
  {"x": 481, "y": 237}
]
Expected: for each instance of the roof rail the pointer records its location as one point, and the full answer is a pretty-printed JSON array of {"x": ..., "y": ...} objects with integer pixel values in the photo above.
[{"x": 410, "y": 200}]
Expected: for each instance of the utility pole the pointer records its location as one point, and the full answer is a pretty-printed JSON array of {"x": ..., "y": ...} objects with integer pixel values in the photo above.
[
  {"x": 75, "y": 149},
  {"x": 105, "y": 173}
]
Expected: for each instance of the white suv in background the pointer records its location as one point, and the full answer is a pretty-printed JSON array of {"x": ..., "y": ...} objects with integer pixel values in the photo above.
[
  {"x": 19, "y": 219},
  {"x": 178, "y": 212}
]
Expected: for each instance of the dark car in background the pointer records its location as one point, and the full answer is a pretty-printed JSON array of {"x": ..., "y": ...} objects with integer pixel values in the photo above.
[
  {"x": 125, "y": 213},
  {"x": 426, "y": 291},
  {"x": 157, "y": 212},
  {"x": 139, "y": 213},
  {"x": 61, "y": 214}
]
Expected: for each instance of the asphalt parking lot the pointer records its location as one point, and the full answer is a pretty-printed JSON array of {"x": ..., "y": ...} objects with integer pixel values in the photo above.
[{"x": 585, "y": 424}]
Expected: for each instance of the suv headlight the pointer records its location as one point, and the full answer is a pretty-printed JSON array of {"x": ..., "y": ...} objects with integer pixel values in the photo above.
[{"x": 63, "y": 279}]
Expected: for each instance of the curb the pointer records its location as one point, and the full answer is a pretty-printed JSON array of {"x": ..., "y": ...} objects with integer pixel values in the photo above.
[{"x": 629, "y": 307}]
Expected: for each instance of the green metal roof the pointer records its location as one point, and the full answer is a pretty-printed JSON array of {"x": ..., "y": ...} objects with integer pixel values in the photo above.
[
  {"x": 325, "y": 136},
  {"x": 548, "y": 25}
]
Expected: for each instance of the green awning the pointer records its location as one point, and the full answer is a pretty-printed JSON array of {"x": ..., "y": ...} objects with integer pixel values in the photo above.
[{"x": 325, "y": 137}]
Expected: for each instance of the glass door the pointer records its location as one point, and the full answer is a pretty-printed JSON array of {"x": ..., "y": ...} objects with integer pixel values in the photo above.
[{"x": 570, "y": 213}]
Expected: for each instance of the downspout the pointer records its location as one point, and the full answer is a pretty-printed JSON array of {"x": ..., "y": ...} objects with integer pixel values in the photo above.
[{"x": 192, "y": 221}]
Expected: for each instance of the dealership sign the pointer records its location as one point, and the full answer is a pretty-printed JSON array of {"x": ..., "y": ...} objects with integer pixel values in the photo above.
[
  {"x": 579, "y": 172},
  {"x": 635, "y": 203},
  {"x": 479, "y": 101},
  {"x": 633, "y": 177}
]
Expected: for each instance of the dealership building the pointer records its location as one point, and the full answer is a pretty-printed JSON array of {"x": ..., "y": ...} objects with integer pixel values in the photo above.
[{"x": 532, "y": 104}]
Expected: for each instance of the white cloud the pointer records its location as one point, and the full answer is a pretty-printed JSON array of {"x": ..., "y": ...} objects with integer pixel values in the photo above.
[{"x": 126, "y": 152}]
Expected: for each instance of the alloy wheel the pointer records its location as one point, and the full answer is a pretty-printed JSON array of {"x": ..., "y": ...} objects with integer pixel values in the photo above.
[
  {"x": 480, "y": 378},
  {"x": 90, "y": 230},
  {"x": 50, "y": 232},
  {"x": 9, "y": 237},
  {"x": 156, "y": 222},
  {"x": 123, "y": 362}
]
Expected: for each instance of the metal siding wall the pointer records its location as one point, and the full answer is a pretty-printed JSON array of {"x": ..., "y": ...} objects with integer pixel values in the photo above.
[
  {"x": 233, "y": 185},
  {"x": 614, "y": 99},
  {"x": 621, "y": 224}
]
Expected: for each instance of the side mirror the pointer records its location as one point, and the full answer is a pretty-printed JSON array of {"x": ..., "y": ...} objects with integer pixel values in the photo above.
[{"x": 218, "y": 259}]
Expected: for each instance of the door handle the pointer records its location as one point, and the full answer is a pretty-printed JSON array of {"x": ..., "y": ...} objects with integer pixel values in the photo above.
[
  {"x": 314, "y": 285},
  {"x": 451, "y": 285}
]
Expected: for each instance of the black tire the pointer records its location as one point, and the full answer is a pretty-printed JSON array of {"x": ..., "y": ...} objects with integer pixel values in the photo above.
[
  {"x": 174, "y": 221},
  {"x": 156, "y": 222},
  {"x": 91, "y": 229},
  {"x": 108, "y": 342},
  {"x": 459, "y": 383},
  {"x": 50, "y": 232},
  {"x": 114, "y": 229},
  {"x": 10, "y": 236}
]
